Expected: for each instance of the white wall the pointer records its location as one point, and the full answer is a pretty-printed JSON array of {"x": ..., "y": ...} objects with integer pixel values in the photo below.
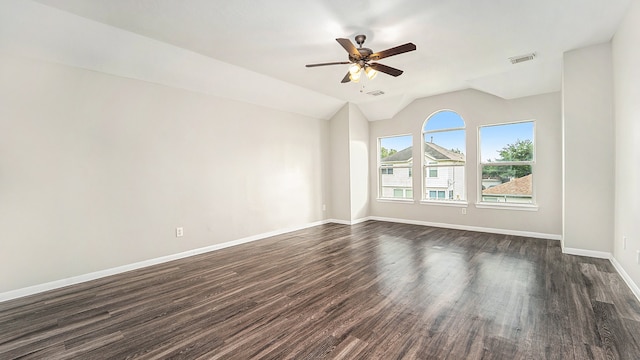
[
  {"x": 588, "y": 148},
  {"x": 340, "y": 204},
  {"x": 359, "y": 151},
  {"x": 626, "y": 79},
  {"x": 478, "y": 108},
  {"x": 31, "y": 29},
  {"x": 349, "y": 165},
  {"x": 96, "y": 171}
]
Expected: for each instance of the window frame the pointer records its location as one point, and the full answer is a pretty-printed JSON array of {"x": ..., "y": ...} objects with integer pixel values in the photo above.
[
  {"x": 379, "y": 168},
  {"x": 533, "y": 206},
  {"x": 425, "y": 199}
]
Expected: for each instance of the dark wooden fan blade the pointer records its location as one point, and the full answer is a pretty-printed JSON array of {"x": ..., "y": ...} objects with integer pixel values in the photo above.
[
  {"x": 351, "y": 49},
  {"x": 329, "y": 63},
  {"x": 393, "y": 51},
  {"x": 346, "y": 78},
  {"x": 386, "y": 69}
]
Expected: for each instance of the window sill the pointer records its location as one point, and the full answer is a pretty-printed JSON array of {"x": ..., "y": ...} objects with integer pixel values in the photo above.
[
  {"x": 445, "y": 203},
  {"x": 396, "y": 200},
  {"x": 506, "y": 206}
]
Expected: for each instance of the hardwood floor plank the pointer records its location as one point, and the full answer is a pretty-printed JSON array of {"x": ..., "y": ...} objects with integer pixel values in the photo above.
[
  {"x": 349, "y": 348},
  {"x": 375, "y": 290}
]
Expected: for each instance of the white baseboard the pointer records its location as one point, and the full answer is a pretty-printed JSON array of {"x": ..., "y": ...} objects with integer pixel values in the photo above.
[
  {"x": 341, "y": 222},
  {"x": 31, "y": 290},
  {"x": 627, "y": 279},
  {"x": 470, "y": 228},
  {"x": 349, "y": 222},
  {"x": 569, "y": 251},
  {"x": 587, "y": 253},
  {"x": 609, "y": 256},
  {"x": 361, "y": 220}
]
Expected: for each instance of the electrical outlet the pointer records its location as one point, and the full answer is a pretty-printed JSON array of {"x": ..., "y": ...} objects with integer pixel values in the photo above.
[
  {"x": 463, "y": 211},
  {"x": 179, "y": 232},
  {"x": 324, "y": 207},
  {"x": 638, "y": 256},
  {"x": 624, "y": 242}
]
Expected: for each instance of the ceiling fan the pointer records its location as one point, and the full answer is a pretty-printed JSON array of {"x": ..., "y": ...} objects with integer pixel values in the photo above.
[{"x": 360, "y": 58}]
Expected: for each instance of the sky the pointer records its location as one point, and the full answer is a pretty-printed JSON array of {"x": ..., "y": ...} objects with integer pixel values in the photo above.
[
  {"x": 492, "y": 138},
  {"x": 397, "y": 142},
  {"x": 448, "y": 140}
]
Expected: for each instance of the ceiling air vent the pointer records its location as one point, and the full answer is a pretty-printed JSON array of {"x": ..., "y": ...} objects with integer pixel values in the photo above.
[
  {"x": 522, "y": 58},
  {"x": 375, "y": 93}
]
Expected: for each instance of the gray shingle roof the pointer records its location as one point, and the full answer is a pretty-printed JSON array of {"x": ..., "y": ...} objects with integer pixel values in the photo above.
[
  {"x": 439, "y": 153},
  {"x": 402, "y": 155},
  {"x": 432, "y": 150}
]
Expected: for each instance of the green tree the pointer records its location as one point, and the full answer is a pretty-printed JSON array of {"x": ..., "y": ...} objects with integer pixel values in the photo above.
[
  {"x": 384, "y": 152},
  {"x": 492, "y": 171},
  {"x": 521, "y": 150}
]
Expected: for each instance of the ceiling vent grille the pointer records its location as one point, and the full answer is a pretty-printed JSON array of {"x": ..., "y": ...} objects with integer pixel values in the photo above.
[
  {"x": 375, "y": 93},
  {"x": 522, "y": 58}
]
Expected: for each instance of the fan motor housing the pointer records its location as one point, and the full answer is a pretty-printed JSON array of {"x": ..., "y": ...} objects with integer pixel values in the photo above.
[{"x": 364, "y": 54}]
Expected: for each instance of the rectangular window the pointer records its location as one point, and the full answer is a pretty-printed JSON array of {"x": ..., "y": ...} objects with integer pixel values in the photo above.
[
  {"x": 437, "y": 194},
  {"x": 507, "y": 159},
  {"x": 395, "y": 162},
  {"x": 433, "y": 172}
]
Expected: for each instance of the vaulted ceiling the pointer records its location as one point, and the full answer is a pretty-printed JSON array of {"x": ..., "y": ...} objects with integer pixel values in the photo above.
[{"x": 260, "y": 44}]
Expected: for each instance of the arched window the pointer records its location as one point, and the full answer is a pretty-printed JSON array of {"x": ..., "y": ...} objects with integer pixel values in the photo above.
[{"x": 443, "y": 163}]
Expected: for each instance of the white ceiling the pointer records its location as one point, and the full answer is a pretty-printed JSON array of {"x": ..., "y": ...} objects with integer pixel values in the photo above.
[{"x": 460, "y": 43}]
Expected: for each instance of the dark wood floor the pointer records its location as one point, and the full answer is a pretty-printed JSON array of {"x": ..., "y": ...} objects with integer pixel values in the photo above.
[{"x": 371, "y": 291}]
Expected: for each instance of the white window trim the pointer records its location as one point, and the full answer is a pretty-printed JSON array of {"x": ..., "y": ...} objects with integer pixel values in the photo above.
[
  {"x": 396, "y": 200},
  {"x": 379, "y": 177},
  {"x": 507, "y": 206},
  {"x": 453, "y": 203}
]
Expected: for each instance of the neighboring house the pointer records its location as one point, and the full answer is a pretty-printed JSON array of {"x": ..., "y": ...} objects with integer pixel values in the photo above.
[
  {"x": 518, "y": 190},
  {"x": 490, "y": 182},
  {"x": 396, "y": 175},
  {"x": 444, "y": 179}
]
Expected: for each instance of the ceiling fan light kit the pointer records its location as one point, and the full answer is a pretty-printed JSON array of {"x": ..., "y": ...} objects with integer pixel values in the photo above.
[
  {"x": 355, "y": 76},
  {"x": 360, "y": 59},
  {"x": 370, "y": 72},
  {"x": 356, "y": 70}
]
